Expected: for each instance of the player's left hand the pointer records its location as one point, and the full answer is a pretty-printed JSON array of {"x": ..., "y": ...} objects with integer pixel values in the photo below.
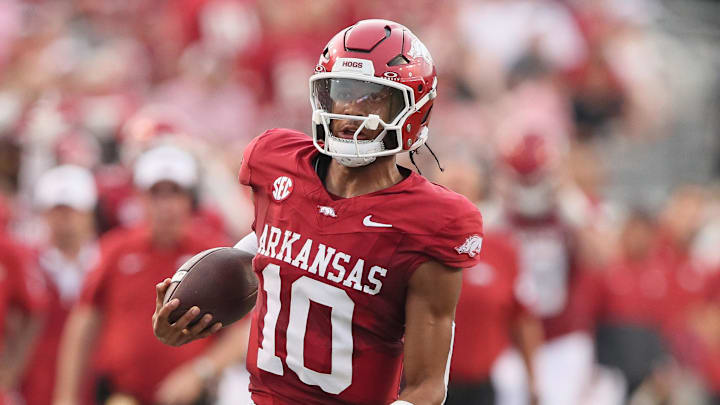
[
  {"x": 179, "y": 333},
  {"x": 181, "y": 387}
]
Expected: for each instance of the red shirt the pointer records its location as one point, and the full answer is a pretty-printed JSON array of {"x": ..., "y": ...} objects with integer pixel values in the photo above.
[
  {"x": 121, "y": 287},
  {"x": 63, "y": 282},
  {"x": 692, "y": 308},
  {"x": 711, "y": 367},
  {"x": 333, "y": 272},
  {"x": 635, "y": 293},
  {"x": 486, "y": 310},
  {"x": 21, "y": 286}
]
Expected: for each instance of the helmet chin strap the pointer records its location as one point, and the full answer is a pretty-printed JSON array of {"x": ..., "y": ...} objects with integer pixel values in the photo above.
[{"x": 348, "y": 146}]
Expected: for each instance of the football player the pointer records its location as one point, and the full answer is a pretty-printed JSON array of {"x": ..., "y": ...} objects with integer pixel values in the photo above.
[
  {"x": 552, "y": 284},
  {"x": 358, "y": 258}
]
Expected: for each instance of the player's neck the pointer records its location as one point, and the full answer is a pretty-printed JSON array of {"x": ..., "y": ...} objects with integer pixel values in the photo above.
[{"x": 349, "y": 182}]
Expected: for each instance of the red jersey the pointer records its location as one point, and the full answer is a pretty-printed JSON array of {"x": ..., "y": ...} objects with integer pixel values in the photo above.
[
  {"x": 551, "y": 284},
  {"x": 486, "y": 310},
  {"x": 333, "y": 272},
  {"x": 121, "y": 288}
]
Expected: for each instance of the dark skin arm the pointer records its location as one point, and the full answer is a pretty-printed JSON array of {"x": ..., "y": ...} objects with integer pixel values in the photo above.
[
  {"x": 528, "y": 336},
  {"x": 13, "y": 358},
  {"x": 433, "y": 293},
  {"x": 76, "y": 345}
]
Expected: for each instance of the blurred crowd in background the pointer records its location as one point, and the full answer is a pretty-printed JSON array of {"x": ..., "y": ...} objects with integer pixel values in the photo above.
[{"x": 586, "y": 130}]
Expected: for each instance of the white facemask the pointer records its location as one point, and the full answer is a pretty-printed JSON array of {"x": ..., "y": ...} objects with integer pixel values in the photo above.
[
  {"x": 347, "y": 146},
  {"x": 533, "y": 201}
]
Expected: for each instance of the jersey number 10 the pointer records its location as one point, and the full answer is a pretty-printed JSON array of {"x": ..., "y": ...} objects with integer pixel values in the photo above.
[{"x": 304, "y": 290}]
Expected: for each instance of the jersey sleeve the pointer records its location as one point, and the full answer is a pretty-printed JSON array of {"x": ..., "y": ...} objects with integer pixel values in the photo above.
[
  {"x": 245, "y": 174},
  {"x": 275, "y": 149},
  {"x": 28, "y": 286},
  {"x": 249, "y": 159},
  {"x": 457, "y": 243}
]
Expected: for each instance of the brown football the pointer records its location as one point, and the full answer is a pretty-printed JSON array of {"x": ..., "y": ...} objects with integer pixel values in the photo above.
[{"x": 219, "y": 281}]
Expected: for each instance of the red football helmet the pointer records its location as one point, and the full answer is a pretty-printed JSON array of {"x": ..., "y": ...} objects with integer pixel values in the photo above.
[
  {"x": 372, "y": 93},
  {"x": 530, "y": 156},
  {"x": 530, "y": 161}
]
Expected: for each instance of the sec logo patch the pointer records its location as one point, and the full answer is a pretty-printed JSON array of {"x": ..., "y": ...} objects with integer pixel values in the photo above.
[{"x": 282, "y": 187}]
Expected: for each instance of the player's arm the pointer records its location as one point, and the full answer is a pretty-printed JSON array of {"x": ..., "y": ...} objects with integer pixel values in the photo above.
[
  {"x": 24, "y": 320},
  {"x": 248, "y": 244},
  {"x": 433, "y": 293},
  {"x": 76, "y": 344},
  {"x": 528, "y": 336},
  {"x": 23, "y": 328}
]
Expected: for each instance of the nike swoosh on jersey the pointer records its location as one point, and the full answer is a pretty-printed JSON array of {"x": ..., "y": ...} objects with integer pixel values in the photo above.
[{"x": 368, "y": 222}]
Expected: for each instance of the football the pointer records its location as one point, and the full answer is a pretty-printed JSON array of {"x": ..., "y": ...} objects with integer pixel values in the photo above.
[{"x": 219, "y": 281}]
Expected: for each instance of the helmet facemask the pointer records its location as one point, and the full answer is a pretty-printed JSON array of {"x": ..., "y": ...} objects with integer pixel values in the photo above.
[{"x": 356, "y": 119}]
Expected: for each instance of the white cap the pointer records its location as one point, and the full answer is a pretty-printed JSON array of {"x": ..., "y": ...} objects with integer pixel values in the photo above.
[
  {"x": 165, "y": 163},
  {"x": 69, "y": 185}
]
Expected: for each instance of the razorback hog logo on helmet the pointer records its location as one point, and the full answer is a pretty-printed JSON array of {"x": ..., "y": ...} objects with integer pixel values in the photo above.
[{"x": 471, "y": 246}]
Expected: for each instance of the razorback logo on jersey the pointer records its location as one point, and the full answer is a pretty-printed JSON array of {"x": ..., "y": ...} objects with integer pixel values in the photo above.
[
  {"x": 471, "y": 247},
  {"x": 327, "y": 211},
  {"x": 282, "y": 187}
]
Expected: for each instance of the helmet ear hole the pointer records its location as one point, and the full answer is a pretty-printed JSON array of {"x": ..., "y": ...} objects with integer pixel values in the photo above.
[
  {"x": 320, "y": 131},
  {"x": 398, "y": 60},
  {"x": 390, "y": 139}
]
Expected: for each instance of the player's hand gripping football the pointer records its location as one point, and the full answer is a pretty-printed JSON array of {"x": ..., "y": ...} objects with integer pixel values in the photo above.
[{"x": 178, "y": 333}]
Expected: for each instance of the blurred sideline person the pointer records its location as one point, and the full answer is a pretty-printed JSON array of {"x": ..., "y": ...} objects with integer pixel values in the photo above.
[
  {"x": 129, "y": 363},
  {"x": 692, "y": 322},
  {"x": 22, "y": 307},
  {"x": 66, "y": 197},
  {"x": 710, "y": 331},
  {"x": 489, "y": 317},
  {"x": 551, "y": 282},
  {"x": 632, "y": 300}
]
